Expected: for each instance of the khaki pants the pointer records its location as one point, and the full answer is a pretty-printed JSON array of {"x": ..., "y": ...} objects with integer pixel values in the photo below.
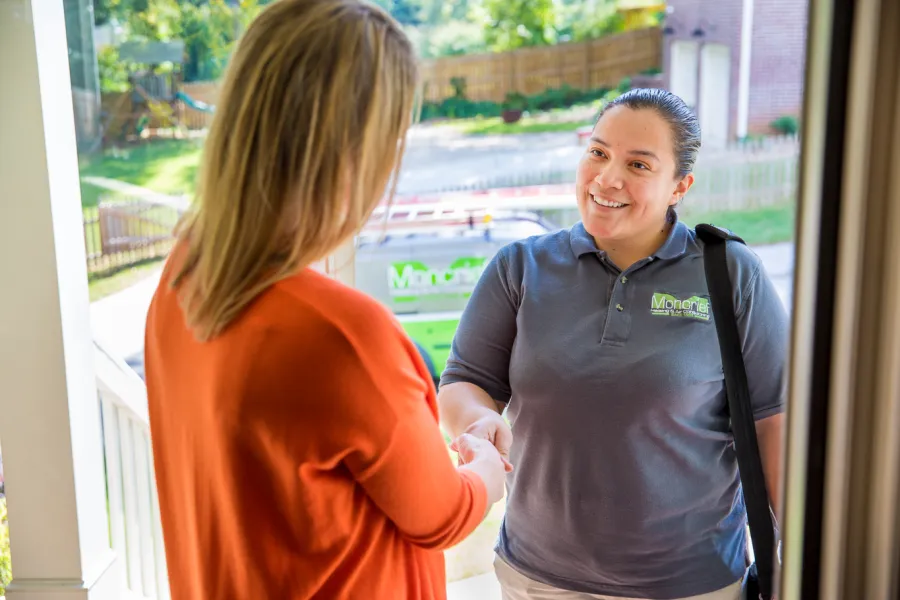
[{"x": 516, "y": 586}]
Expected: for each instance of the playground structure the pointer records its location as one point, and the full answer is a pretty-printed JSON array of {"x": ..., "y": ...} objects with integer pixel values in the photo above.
[
  {"x": 169, "y": 111},
  {"x": 156, "y": 103}
]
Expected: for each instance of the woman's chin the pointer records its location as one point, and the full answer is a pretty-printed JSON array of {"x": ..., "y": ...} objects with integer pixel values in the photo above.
[{"x": 602, "y": 230}]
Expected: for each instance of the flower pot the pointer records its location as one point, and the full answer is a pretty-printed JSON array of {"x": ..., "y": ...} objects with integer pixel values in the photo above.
[{"x": 511, "y": 116}]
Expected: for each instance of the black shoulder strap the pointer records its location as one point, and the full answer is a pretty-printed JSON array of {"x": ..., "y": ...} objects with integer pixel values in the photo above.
[{"x": 743, "y": 425}]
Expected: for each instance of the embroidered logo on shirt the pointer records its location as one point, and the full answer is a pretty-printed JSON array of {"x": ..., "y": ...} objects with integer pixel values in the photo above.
[{"x": 667, "y": 305}]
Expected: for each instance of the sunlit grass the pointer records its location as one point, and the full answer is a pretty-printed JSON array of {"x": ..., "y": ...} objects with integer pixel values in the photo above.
[
  {"x": 110, "y": 283},
  {"x": 495, "y": 126},
  {"x": 757, "y": 226},
  {"x": 165, "y": 166}
]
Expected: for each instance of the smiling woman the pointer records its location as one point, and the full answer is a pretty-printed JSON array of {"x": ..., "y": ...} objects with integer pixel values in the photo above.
[{"x": 598, "y": 343}]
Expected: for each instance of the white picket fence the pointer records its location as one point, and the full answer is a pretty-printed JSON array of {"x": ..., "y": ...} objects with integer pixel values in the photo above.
[{"x": 745, "y": 176}]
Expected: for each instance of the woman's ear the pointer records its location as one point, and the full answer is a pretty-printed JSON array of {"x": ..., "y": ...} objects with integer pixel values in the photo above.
[{"x": 681, "y": 188}]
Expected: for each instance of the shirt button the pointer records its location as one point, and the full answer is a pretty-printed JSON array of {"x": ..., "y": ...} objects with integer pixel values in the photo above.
[
  {"x": 624, "y": 280},
  {"x": 619, "y": 307}
]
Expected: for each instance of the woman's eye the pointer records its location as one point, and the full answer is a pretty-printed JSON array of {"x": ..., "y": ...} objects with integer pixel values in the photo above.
[
  {"x": 638, "y": 165},
  {"x": 598, "y": 153}
]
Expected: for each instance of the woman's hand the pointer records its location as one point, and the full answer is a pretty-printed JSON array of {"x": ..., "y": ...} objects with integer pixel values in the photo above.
[
  {"x": 493, "y": 428},
  {"x": 479, "y": 456}
]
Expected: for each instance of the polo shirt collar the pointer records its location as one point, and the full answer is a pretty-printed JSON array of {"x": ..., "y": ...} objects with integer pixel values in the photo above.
[{"x": 675, "y": 245}]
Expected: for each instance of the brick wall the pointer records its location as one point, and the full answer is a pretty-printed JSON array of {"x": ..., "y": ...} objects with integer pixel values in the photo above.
[{"x": 778, "y": 60}]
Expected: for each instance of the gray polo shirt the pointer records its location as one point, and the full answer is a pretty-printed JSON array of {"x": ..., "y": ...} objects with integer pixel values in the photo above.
[{"x": 625, "y": 480}]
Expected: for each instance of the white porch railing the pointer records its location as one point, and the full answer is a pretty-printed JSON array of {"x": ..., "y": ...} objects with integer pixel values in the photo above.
[{"x": 135, "y": 530}]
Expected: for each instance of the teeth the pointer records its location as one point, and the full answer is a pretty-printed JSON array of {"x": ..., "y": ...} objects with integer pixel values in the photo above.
[{"x": 607, "y": 203}]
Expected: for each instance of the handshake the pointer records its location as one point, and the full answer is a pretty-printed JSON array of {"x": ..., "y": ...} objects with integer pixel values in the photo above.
[{"x": 483, "y": 449}]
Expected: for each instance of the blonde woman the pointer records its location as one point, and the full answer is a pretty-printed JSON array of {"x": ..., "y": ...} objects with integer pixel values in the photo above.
[{"x": 294, "y": 425}]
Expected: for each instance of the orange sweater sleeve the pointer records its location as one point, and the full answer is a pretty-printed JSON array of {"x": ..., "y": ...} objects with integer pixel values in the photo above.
[
  {"x": 361, "y": 395},
  {"x": 401, "y": 459},
  {"x": 415, "y": 483}
]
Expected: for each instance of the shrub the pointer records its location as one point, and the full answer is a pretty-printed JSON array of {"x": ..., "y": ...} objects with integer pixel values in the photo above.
[
  {"x": 786, "y": 125},
  {"x": 515, "y": 101},
  {"x": 562, "y": 97},
  {"x": 460, "y": 107},
  {"x": 459, "y": 86}
]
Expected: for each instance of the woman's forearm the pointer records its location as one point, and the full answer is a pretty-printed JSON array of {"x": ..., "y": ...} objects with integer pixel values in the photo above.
[
  {"x": 770, "y": 435},
  {"x": 461, "y": 404}
]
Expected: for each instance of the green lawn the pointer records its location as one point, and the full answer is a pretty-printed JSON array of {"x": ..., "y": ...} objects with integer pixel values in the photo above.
[
  {"x": 91, "y": 195},
  {"x": 495, "y": 125},
  {"x": 758, "y": 226},
  {"x": 100, "y": 287},
  {"x": 165, "y": 166}
]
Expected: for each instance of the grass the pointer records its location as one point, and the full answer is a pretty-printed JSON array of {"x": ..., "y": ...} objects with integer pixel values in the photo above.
[
  {"x": 165, "y": 166},
  {"x": 100, "y": 287},
  {"x": 495, "y": 125},
  {"x": 758, "y": 226},
  {"x": 91, "y": 196}
]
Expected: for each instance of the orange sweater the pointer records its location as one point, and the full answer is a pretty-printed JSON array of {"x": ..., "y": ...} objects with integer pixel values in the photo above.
[{"x": 298, "y": 454}]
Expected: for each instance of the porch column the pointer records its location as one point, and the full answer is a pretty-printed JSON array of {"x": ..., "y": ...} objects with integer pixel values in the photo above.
[{"x": 49, "y": 416}]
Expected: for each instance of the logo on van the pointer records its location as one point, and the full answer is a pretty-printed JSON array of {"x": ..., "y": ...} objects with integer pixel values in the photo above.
[
  {"x": 408, "y": 279},
  {"x": 667, "y": 305}
]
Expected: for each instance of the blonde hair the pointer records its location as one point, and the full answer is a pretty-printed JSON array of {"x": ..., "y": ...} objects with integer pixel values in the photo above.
[{"x": 309, "y": 129}]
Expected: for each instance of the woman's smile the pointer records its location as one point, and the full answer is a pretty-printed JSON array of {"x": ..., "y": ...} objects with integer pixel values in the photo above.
[{"x": 607, "y": 203}]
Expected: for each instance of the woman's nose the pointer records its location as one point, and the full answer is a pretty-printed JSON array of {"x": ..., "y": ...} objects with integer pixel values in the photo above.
[{"x": 609, "y": 177}]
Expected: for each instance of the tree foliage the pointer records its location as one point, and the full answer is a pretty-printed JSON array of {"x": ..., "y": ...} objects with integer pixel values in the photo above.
[
  {"x": 512, "y": 24},
  {"x": 587, "y": 20},
  {"x": 209, "y": 29},
  {"x": 113, "y": 71}
]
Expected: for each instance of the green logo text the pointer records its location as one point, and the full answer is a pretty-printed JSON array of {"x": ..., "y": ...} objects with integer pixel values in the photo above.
[
  {"x": 668, "y": 305},
  {"x": 415, "y": 278}
]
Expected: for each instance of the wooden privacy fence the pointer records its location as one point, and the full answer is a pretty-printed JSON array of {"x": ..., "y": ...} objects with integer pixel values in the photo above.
[
  {"x": 123, "y": 233},
  {"x": 582, "y": 65}
]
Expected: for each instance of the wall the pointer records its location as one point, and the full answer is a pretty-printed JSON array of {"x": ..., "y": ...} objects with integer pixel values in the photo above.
[{"x": 778, "y": 60}]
